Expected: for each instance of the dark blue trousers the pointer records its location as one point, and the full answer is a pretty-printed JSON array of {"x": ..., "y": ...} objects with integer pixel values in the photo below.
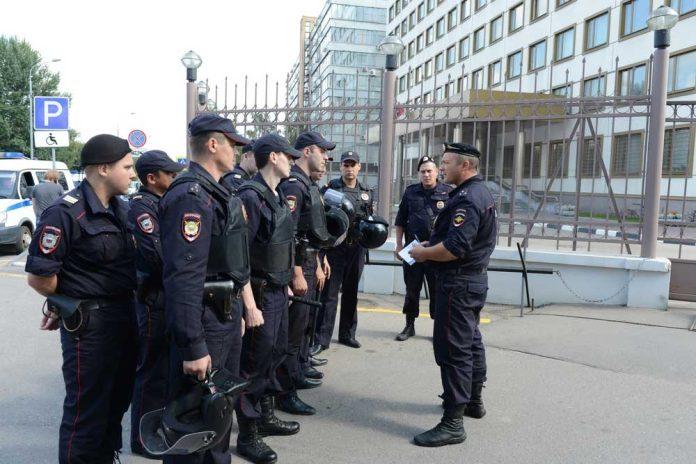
[
  {"x": 413, "y": 279},
  {"x": 98, "y": 370},
  {"x": 223, "y": 340},
  {"x": 457, "y": 341},
  {"x": 151, "y": 377},
  {"x": 347, "y": 262},
  {"x": 263, "y": 351}
]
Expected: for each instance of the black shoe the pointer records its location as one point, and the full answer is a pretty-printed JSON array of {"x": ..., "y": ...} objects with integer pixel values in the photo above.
[
  {"x": 475, "y": 407},
  {"x": 316, "y": 362},
  {"x": 292, "y": 404},
  {"x": 316, "y": 349},
  {"x": 270, "y": 425},
  {"x": 306, "y": 384},
  {"x": 449, "y": 431},
  {"x": 251, "y": 446},
  {"x": 351, "y": 342},
  {"x": 312, "y": 373},
  {"x": 409, "y": 331}
]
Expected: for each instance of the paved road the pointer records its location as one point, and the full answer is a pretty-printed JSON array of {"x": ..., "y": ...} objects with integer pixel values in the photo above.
[{"x": 566, "y": 385}]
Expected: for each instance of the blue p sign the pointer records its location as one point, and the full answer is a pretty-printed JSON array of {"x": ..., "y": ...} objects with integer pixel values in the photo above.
[{"x": 51, "y": 113}]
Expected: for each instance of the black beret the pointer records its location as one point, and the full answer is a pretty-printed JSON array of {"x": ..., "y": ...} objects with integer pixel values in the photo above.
[
  {"x": 425, "y": 159},
  {"x": 104, "y": 149},
  {"x": 462, "y": 149}
]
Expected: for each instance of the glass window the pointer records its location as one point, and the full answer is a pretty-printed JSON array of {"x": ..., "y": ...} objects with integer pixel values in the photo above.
[
  {"x": 463, "y": 48},
  {"x": 464, "y": 10},
  {"x": 412, "y": 20},
  {"x": 440, "y": 27},
  {"x": 451, "y": 55},
  {"x": 539, "y": 8},
  {"x": 402, "y": 84},
  {"x": 391, "y": 13},
  {"x": 594, "y": 87},
  {"x": 439, "y": 62},
  {"x": 411, "y": 49},
  {"x": 532, "y": 160},
  {"x": 494, "y": 73},
  {"x": 404, "y": 28},
  {"x": 683, "y": 6},
  {"x": 562, "y": 2},
  {"x": 564, "y": 44},
  {"x": 477, "y": 79},
  {"x": 562, "y": 91},
  {"x": 558, "y": 159},
  {"x": 431, "y": 5},
  {"x": 480, "y": 4},
  {"x": 627, "y": 158},
  {"x": 462, "y": 84},
  {"x": 429, "y": 35},
  {"x": 516, "y": 17},
  {"x": 427, "y": 98},
  {"x": 428, "y": 69},
  {"x": 597, "y": 31},
  {"x": 677, "y": 152},
  {"x": 537, "y": 55},
  {"x": 439, "y": 94},
  {"x": 632, "y": 81},
  {"x": 634, "y": 16},
  {"x": 496, "y": 29},
  {"x": 591, "y": 154},
  {"x": 8, "y": 184},
  {"x": 421, "y": 11},
  {"x": 682, "y": 72},
  {"x": 420, "y": 42},
  {"x": 514, "y": 65},
  {"x": 479, "y": 39},
  {"x": 452, "y": 19},
  {"x": 419, "y": 74},
  {"x": 361, "y": 13},
  {"x": 398, "y": 6}
]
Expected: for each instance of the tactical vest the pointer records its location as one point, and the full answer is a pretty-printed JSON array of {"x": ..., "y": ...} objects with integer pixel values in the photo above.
[
  {"x": 273, "y": 261},
  {"x": 312, "y": 217},
  {"x": 363, "y": 207},
  {"x": 229, "y": 246}
]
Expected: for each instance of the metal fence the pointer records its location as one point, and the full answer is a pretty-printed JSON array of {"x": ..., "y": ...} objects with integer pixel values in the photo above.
[{"x": 566, "y": 163}]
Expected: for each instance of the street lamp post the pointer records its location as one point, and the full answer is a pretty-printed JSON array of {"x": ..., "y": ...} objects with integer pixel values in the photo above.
[
  {"x": 31, "y": 105},
  {"x": 661, "y": 20},
  {"x": 191, "y": 61},
  {"x": 390, "y": 46}
]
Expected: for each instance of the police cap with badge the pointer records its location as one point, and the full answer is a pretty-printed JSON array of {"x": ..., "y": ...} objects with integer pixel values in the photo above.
[
  {"x": 462, "y": 149},
  {"x": 209, "y": 122},
  {"x": 153, "y": 161}
]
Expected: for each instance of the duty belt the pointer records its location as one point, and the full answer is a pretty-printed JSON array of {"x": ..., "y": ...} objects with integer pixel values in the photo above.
[{"x": 464, "y": 271}]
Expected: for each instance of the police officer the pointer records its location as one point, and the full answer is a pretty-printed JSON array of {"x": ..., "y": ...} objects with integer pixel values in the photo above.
[
  {"x": 271, "y": 230},
  {"x": 243, "y": 171},
  {"x": 156, "y": 171},
  {"x": 459, "y": 249},
  {"x": 84, "y": 253},
  {"x": 307, "y": 210},
  {"x": 205, "y": 265},
  {"x": 347, "y": 261},
  {"x": 419, "y": 206}
]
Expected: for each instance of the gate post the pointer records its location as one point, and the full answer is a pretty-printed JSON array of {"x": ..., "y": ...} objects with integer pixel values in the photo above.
[{"x": 191, "y": 61}]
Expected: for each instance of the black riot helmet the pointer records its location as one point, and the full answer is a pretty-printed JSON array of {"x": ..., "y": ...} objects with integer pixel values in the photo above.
[
  {"x": 340, "y": 200},
  {"x": 374, "y": 231},
  {"x": 337, "y": 223},
  {"x": 195, "y": 421}
]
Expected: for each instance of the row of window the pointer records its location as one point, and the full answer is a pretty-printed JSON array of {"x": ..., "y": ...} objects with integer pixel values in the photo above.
[{"x": 634, "y": 15}]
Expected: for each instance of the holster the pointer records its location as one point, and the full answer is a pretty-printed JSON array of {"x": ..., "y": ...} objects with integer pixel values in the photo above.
[
  {"x": 301, "y": 251},
  {"x": 219, "y": 295},
  {"x": 258, "y": 288},
  {"x": 74, "y": 312}
]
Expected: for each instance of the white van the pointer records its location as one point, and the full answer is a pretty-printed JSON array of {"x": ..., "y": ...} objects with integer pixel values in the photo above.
[{"x": 18, "y": 175}]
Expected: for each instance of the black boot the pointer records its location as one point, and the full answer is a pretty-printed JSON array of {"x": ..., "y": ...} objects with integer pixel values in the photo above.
[
  {"x": 475, "y": 407},
  {"x": 251, "y": 446},
  {"x": 292, "y": 404},
  {"x": 449, "y": 431},
  {"x": 270, "y": 424},
  {"x": 409, "y": 330}
]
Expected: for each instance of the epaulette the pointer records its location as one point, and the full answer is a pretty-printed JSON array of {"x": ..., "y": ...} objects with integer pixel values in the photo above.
[
  {"x": 137, "y": 197},
  {"x": 70, "y": 200},
  {"x": 194, "y": 188},
  {"x": 292, "y": 179}
]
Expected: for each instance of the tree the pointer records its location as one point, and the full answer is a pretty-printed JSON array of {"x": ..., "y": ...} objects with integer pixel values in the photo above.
[{"x": 17, "y": 58}]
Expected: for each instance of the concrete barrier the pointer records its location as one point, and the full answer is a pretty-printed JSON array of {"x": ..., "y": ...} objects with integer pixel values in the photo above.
[{"x": 580, "y": 278}]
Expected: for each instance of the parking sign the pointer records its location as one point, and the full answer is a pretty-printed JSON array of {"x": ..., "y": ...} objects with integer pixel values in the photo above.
[{"x": 51, "y": 113}]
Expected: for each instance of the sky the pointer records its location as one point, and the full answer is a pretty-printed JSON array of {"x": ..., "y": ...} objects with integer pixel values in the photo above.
[{"x": 121, "y": 60}]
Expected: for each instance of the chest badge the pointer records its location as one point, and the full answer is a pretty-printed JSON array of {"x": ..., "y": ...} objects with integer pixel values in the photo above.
[
  {"x": 440, "y": 204},
  {"x": 146, "y": 224},
  {"x": 191, "y": 226},
  {"x": 459, "y": 218},
  {"x": 50, "y": 238},
  {"x": 292, "y": 202},
  {"x": 365, "y": 196}
]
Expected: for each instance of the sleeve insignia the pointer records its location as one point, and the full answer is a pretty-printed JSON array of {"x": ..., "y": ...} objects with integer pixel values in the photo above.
[
  {"x": 146, "y": 223},
  {"x": 459, "y": 218},
  {"x": 292, "y": 202},
  {"x": 50, "y": 238},
  {"x": 191, "y": 226}
]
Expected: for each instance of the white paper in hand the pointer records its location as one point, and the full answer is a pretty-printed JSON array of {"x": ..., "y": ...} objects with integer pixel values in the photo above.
[{"x": 404, "y": 254}]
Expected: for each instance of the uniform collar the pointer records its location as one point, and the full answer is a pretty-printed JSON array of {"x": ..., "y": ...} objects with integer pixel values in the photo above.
[
  {"x": 298, "y": 170},
  {"x": 239, "y": 170},
  {"x": 357, "y": 184},
  {"x": 144, "y": 191},
  {"x": 200, "y": 171},
  {"x": 469, "y": 181},
  {"x": 420, "y": 185},
  {"x": 95, "y": 205}
]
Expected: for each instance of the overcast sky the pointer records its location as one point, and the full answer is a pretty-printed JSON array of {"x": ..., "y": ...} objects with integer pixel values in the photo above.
[{"x": 123, "y": 57}]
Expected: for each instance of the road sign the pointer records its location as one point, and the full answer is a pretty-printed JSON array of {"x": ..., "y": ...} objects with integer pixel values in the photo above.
[
  {"x": 51, "y": 139},
  {"x": 137, "y": 138},
  {"x": 51, "y": 113}
]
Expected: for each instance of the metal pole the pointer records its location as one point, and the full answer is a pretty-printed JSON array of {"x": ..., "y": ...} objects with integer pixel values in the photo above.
[
  {"x": 191, "y": 104},
  {"x": 31, "y": 115},
  {"x": 386, "y": 146},
  {"x": 53, "y": 158},
  {"x": 656, "y": 139}
]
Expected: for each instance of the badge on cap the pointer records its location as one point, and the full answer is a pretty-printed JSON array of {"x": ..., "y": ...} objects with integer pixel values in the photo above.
[
  {"x": 292, "y": 202},
  {"x": 191, "y": 226},
  {"x": 365, "y": 196},
  {"x": 440, "y": 204},
  {"x": 459, "y": 218},
  {"x": 146, "y": 223},
  {"x": 50, "y": 238}
]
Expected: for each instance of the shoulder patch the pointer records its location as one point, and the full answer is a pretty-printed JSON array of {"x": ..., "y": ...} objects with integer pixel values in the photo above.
[
  {"x": 69, "y": 199},
  {"x": 292, "y": 202},
  {"x": 459, "y": 217},
  {"x": 50, "y": 238},
  {"x": 191, "y": 226},
  {"x": 146, "y": 223}
]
